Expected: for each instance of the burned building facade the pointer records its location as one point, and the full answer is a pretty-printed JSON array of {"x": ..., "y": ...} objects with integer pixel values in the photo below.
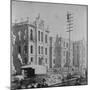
[
  {"x": 79, "y": 55},
  {"x": 19, "y": 45},
  {"x": 62, "y": 52},
  {"x": 42, "y": 43},
  {"x": 30, "y": 44}
]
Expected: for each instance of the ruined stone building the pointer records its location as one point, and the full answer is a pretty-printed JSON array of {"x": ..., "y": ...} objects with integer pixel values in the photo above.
[
  {"x": 79, "y": 55},
  {"x": 42, "y": 45},
  {"x": 52, "y": 51},
  {"x": 30, "y": 43},
  {"x": 62, "y": 58},
  {"x": 19, "y": 42}
]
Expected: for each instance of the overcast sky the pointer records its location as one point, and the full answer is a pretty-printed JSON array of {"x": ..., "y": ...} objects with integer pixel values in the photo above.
[{"x": 54, "y": 15}]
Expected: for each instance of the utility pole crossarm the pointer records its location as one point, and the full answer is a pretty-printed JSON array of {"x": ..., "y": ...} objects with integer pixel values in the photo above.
[{"x": 69, "y": 30}]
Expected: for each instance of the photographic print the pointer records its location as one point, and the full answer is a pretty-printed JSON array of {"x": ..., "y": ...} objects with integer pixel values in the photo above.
[{"x": 48, "y": 45}]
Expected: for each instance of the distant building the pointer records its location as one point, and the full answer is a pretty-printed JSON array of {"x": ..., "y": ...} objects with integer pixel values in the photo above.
[
  {"x": 79, "y": 55},
  {"x": 50, "y": 52},
  {"x": 57, "y": 52},
  {"x": 62, "y": 52},
  {"x": 76, "y": 55}
]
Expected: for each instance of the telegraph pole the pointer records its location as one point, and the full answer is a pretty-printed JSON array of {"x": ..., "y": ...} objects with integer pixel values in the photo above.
[{"x": 70, "y": 29}]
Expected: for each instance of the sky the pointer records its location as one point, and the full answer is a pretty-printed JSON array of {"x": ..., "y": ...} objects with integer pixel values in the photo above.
[{"x": 54, "y": 15}]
